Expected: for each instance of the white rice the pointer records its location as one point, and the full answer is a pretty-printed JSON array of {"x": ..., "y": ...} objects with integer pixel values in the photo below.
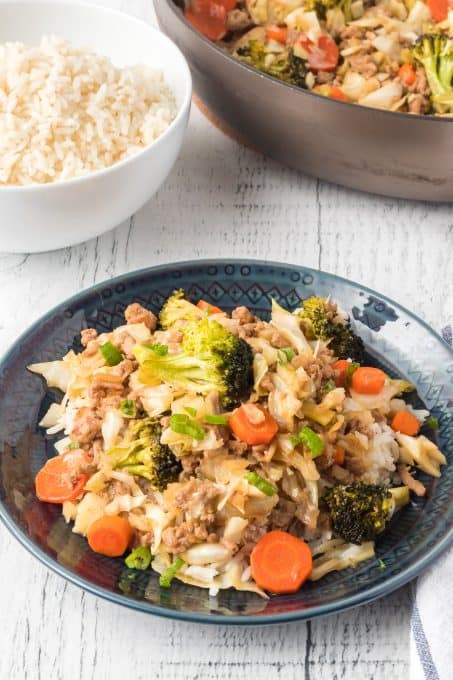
[{"x": 66, "y": 111}]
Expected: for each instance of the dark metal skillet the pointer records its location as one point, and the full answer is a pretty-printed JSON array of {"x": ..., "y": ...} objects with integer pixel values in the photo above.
[{"x": 383, "y": 152}]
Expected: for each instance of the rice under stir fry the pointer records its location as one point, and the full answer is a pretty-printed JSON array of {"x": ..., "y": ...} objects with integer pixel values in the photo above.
[{"x": 190, "y": 438}]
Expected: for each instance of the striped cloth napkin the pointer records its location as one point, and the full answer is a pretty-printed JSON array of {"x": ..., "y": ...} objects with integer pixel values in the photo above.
[{"x": 431, "y": 645}]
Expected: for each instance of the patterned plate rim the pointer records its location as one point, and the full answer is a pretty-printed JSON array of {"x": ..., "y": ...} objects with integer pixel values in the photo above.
[{"x": 347, "y": 602}]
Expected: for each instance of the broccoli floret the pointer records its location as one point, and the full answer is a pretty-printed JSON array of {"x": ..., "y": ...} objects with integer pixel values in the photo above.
[
  {"x": 142, "y": 453},
  {"x": 435, "y": 53},
  {"x": 322, "y": 6},
  {"x": 282, "y": 65},
  {"x": 178, "y": 308},
  {"x": 318, "y": 320},
  {"x": 212, "y": 359},
  {"x": 361, "y": 511}
]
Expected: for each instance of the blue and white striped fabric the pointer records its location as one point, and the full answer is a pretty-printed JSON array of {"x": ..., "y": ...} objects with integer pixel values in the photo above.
[{"x": 431, "y": 653}]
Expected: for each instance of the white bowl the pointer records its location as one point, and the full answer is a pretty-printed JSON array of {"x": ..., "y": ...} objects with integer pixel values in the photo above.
[{"x": 48, "y": 216}]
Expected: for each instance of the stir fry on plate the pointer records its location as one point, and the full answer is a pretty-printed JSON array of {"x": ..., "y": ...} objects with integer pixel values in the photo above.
[
  {"x": 228, "y": 451},
  {"x": 388, "y": 54}
]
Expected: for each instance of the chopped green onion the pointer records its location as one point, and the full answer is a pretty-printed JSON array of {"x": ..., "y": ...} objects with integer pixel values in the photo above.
[
  {"x": 73, "y": 445},
  {"x": 158, "y": 348},
  {"x": 111, "y": 354},
  {"x": 290, "y": 354},
  {"x": 433, "y": 423},
  {"x": 353, "y": 366},
  {"x": 140, "y": 558},
  {"x": 262, "y": 484},
  {"x": 329, "y": 386},
  {"x": 128, "y": 407},
  {"x": 310, "y": 440},
  {"x": 191, "y": 411},
  {"x": 382, "y": 565},
  {"x": 285, "y": 355},
  {"x": 216, "y": 419},
  {"x": 169, "y": 574},
  {"x": 181, "y": 423}
]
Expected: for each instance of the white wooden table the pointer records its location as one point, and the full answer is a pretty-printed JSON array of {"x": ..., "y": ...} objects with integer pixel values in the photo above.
[{"x": 221, "y": 200}]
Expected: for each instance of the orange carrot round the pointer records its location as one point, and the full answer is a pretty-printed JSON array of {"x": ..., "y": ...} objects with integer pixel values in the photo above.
[
  {"x": 438, "y": 9},
  {"x": 280, "y": 562},
  {"x": 368, "y": 380},
  {"x": 277, "y": 33},
  {"x": 339, "y": 455},
  {"x": 109, "y": 535},
  {"x": 331, "y": 91},
  {"x": 406, "y": 423},
  {"x": 61, "y": 479},
  {"x": 253, "y": 433},
  {"x": 407, "y": 74},
  {"x": 207, "y": 307},
  {"x": 341, "y": 368}
]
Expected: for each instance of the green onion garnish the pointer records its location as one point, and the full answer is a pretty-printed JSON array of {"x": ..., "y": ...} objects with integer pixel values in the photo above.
[
  {"x": 216, "y": 419},
  {"x": 310, "y": 440},
  {"x": 158, "y": 348},
  {"x": 111, "y": 354},
  {"x": 191, "y": 411},
  {"x": 140, "y": 558},
  {"x": 128, "y": 407},
  {"x": 285, "y": 355},
  {"x": 433, "y": 423},
  {"x": 181, "y": 423},
  {"x": 353, "y": 366},
  {"x": 73, "y": 445},
  {"x": 170, "y": 572},
  {"x": 262, "y": 484},
  {"x": 329, "y": 386}
]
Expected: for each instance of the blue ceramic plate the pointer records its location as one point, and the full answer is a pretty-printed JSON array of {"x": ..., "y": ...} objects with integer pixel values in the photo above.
[{"x": 395, "y": 340}]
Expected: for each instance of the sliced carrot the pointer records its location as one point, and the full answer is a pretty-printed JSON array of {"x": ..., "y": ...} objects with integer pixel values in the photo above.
[
  {"x": 277, "y": 33},
  {"x": 207, "y": 307},
  {"x": 339, "y": 455},
  {"x": 406, "y": 423},
  {"x": 438, "y": 9},
  {"x": 61, "y": 479},
  {"x": 109, "y": 535},
  {"x": 253, "y": 433},
  {"x": 331, "y": 91},
  {"x": 407, "y": 74},
  {"x": 228, "y": 4},
  {"x": 341, "y": 368},
  {"x": 322, "y": 55},
  {"x": 368, "y": 380},
  {"x": 208, "y": 17},
  {"x": 280, "y": 562}
]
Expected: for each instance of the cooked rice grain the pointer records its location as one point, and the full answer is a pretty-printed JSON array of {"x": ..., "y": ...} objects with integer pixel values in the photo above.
[{"x": 65, "y": 111}]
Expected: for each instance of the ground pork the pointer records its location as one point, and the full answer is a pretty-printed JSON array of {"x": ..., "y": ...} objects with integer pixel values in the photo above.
[
  {"x": 237, "y": 447},
  {"x": 243, "y": 315},
  {"x": 238, "y": 20},
  {"x": 363, "y": 64},
  {"x": 282, "y": 515},
  {"x": 135, "y": 313},
  {"x": 87, "y": 335},
  {"x": 86, "y": 426},
  {"x": 180, "y": 538},
  {"x": 90, "y": 340},
  {"x": 196, "y": 492},
  {"x": 252, "y": 535},
  {"x": 323, "y": 77}
]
